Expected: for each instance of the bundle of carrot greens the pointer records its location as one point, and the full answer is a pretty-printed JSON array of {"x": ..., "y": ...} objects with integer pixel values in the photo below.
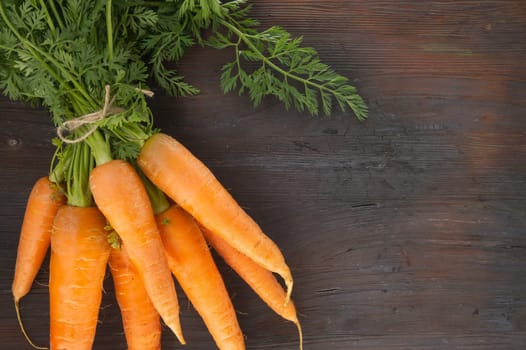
[{"x": 122, "y": 194}]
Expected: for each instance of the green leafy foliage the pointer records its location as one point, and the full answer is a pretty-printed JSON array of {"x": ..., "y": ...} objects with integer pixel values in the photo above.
[
  {"x": 272, "y": 62},
  {"x": 202, "y": 10},
  {"x": 63, "y": 54},
  {"x": 139, "y": 20},
  {"x": 64, "y": 60}
]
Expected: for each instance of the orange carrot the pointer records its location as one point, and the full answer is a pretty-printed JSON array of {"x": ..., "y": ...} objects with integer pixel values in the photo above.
[
  {"x": 184, "y": 178},
  {"x": 262, "y": 281},
  {"x": 195, "y": 270},
  {"x": 122, "y": 198},
  {"x": 141, "y": 321},
  {"x": 42, "y": 205},
  {"x": 79, "y": 255}
]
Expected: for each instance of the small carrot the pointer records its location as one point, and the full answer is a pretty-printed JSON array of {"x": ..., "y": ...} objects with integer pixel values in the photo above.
[
  {"x": 120, "y": 195},
  {"x": 142, "y": 326},
  {"x": 42, "y": 205},
  {"x": 194, "y": 268},
  {"x": 79, "y": 255},
  {"x": 262, "y": 281},
  {"x": 184, "y": 178}
]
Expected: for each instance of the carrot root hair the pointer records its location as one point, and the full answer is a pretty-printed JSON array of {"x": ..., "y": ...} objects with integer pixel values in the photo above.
[
  {"x": 23, "y": 329},
  {"x": 300, "y": 333}
]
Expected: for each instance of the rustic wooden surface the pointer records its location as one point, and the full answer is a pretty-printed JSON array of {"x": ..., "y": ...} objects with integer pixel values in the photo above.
[{"x": 407, "y": 231}]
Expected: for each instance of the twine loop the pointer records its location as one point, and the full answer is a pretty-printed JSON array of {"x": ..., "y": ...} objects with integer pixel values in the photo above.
[{"x": 92, "y": 118}]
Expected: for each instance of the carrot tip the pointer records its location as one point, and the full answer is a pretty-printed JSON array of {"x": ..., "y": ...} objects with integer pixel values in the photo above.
[
  {"x": 17, "y": 309},
  {"x": 176, "y": 329},
  {"x": 181, "y": 339}
]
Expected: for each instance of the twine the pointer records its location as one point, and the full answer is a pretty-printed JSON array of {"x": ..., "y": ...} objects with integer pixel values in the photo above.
[{"x": 92, "y": 118}]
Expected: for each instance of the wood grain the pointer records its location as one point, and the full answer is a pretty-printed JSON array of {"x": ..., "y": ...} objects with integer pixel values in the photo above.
[{"x": 406, "y": 231}]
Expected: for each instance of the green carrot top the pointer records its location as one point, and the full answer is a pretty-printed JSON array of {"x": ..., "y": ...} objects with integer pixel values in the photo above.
[{"x": 89, "y": 64}]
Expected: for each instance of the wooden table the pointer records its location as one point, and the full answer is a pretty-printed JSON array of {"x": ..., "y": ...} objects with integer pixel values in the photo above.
[{"x": 407, "y": 231}]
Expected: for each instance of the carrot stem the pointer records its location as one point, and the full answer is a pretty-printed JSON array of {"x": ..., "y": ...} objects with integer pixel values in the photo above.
[
  {"x": 77, "y": 184},
  {"x": 109, "y": 30},
  {"x": 48, "y": 18},
  {"x": 55, "y": 14},
  {"x": 157, "y": 197},
  {"x": 100, "y": 148}
]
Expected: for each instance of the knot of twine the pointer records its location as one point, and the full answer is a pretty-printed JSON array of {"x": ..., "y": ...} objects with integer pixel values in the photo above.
[{"x": 92, "y": 118}]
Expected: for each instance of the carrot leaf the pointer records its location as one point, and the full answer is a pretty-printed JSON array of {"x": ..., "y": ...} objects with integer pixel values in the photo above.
[{"x": 273, "y": 63}]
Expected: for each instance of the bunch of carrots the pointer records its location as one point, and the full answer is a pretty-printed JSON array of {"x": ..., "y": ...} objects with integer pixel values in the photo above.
[
  {"x": 122, "y": 194},
  {"x": 153, "y": 244}
]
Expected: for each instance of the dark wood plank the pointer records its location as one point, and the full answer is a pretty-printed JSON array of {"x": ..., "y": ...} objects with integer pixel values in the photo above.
[{"x": 403, "y": 232}]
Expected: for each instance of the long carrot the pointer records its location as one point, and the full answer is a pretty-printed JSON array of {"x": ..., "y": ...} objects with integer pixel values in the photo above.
[
  {"x": 184, "y": 178},
  {"x": 262, "y": 281},
  {"x": 79, "y": 255},
  {"x": 195, "y": 270},
  {"x": 120, "y": 195},
  {"x": 142, "y": 326},
  {"x": 42, "y": 205}
]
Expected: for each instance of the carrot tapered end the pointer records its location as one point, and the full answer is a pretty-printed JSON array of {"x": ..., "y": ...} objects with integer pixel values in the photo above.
[{"x": 177, "y": 330}]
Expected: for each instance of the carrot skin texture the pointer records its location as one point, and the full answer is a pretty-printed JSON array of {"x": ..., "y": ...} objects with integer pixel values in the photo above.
[
  {"x": 79, "y": 255},
  {"x": 120, "y": 195},
  {"x": 262, "y": 281},
  {"x": 42, "y": 205},
  {"x": 194, "y": 268},
  {"x": 185, "y": 179},
  {"x": 141, "y": 322}
]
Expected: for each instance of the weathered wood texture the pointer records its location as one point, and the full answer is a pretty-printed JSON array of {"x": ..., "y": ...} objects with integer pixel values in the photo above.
[{"x": 407, "y": 231}]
